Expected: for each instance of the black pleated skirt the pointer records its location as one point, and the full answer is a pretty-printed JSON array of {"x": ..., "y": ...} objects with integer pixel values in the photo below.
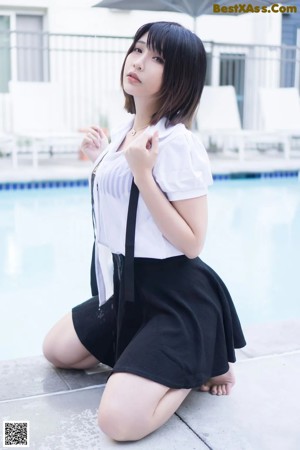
[{"x": 181, "y": 329}]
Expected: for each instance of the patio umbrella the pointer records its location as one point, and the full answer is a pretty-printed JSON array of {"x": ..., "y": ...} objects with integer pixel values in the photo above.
[{"x": 193, "y": 8}]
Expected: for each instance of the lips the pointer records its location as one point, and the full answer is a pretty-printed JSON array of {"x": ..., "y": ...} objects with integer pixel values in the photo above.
[{"x": 133, "y": 76}]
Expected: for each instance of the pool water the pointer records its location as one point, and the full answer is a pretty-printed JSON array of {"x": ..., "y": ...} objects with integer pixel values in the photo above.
[
  {"x": 253, "y": 242},
  {"x": 46, "y": 238}
]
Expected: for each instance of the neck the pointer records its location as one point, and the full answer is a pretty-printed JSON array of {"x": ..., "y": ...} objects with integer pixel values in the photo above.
[{"x": 143, "y": 113}]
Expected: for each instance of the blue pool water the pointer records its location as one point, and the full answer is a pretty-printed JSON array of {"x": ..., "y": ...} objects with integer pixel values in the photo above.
[{"x": 253, "y": 242}]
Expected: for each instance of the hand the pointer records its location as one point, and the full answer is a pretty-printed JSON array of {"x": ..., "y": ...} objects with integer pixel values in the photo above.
[
  {"x": 142, "y": 153},
  {"x": 94, "y": 142}
]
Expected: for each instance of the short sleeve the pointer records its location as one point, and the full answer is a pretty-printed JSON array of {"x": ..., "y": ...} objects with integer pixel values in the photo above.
[{"x": 182, "y": 169}]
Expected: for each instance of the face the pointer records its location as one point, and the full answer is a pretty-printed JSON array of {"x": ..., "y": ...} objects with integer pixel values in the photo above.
[{"x": 143, "y": 71}]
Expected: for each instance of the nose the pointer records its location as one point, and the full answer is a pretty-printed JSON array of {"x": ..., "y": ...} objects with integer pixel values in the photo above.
[{"x": 139, "y": 63}]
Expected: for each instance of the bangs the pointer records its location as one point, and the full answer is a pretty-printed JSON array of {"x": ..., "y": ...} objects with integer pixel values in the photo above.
[
  {"x": 162, "y": 37},
  {"x": 157, "y": 39}
]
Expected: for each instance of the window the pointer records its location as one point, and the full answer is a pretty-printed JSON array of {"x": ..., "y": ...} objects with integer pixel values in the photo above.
[
  {"x": 232, "y": 72},
  {"x": 24, "y": 51},
  {"x": 5, "y": 59},
  {"x": 289, "y": 73},
  {"x": 29, "y": 40},
  {"x": 208, "y": 68}
]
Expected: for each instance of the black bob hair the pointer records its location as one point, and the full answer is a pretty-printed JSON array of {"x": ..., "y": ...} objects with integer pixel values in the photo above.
[{"x": 184, "y": 71}]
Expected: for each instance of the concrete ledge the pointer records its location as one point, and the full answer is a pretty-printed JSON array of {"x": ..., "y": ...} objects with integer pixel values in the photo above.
[
  {"x": 71, "y": 168},
  {"x": 271, "y": 338}
]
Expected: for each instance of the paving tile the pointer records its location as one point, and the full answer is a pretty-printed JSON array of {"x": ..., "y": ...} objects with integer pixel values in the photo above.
[
  {"x": 24, "y": 377},
  {"x": 68, "y": 422},
  {"x": 262, "y": 413},
  {"x": 272, "y": 338},
  {"x": 77, "y": 379}
]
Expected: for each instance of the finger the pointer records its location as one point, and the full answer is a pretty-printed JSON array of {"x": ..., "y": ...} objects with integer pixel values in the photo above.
[
  {"x": 102, "y": 134},
  {"x": 99, "y": 132},
  {"x": 94, "y": 133},
  {"x": 154, "y": 142},
  {"x": 87, "y": 141},
  {"x": 96, "y": 128},
  {"x": 142, "y": 141},
  {"x": 94, "y": 139}
]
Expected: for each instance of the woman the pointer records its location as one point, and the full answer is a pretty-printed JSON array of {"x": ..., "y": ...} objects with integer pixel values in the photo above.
[{"x": 170, "y": 324}]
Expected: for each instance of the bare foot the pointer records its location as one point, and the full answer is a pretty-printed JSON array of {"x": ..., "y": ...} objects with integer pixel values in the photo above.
[{"x": 220, "y": 385}]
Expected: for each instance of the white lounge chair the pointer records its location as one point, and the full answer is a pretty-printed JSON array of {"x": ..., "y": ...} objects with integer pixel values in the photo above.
[
  {"x": 8, "y": 147},
  {"x": 218, "y": 121},
  {"x": 37, "y": 113},
  {"x": 280, "y": 115}
]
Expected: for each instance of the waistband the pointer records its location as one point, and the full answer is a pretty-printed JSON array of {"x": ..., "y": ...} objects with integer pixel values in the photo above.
[{"x": 119, "y": 258}]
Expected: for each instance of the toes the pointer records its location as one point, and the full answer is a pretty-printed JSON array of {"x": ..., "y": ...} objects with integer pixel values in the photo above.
[
  {"x": 220, "y": 389},
  {"x": 204, "y": 388},
  {"x": 228, "y": 388},
  {"x": 224, "y": 389},
  {"x": 214, "y": 390}
]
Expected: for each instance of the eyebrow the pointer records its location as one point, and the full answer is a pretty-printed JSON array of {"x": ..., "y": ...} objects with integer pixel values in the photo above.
[{"x": 141, "y": 42}]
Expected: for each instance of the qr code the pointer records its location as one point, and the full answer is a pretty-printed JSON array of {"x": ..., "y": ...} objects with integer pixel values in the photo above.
[{"x": 16, "y": 433}]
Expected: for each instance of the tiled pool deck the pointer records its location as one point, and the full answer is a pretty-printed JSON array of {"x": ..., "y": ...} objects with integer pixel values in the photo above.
[{"x": 262, "y": 413}]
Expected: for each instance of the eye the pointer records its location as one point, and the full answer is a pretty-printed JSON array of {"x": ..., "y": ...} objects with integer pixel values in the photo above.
[
  {"x": 137, "y": 50},
  {"x": 159, "y": 59}
]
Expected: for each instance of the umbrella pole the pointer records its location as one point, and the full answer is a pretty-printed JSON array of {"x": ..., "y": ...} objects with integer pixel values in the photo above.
[{"x": 195, "y": 25}]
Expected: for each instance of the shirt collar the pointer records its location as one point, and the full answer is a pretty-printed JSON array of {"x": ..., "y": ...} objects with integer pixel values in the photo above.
[{"x": 163, "y": 131}]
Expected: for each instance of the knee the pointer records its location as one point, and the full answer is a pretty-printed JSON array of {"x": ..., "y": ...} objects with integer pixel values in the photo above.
[
  {"x": 48, "y": 351},
  {"x": 118, "y": 424}
]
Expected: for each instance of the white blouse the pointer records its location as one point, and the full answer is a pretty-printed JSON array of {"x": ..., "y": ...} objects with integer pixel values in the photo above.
[{"x": 181, "y": 170}]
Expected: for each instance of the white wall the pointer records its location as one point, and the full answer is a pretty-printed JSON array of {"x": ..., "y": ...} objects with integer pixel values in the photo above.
[
  {"x": 78, "y": 17},
  {"x": 240, "y": 29}
]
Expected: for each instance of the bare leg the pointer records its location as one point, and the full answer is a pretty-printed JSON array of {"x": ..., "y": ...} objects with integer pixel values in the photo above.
[
  {"x": 220, "y": 385},
  {"x": 133, "y": 407},
  {"x": 63, "y": 348}
]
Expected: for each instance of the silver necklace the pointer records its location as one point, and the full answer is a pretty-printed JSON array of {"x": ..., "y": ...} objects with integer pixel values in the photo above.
[{"x": 133, "y": 131}]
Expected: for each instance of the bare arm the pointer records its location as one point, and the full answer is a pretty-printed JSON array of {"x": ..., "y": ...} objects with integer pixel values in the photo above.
[{"x": 182, "y": 222}]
